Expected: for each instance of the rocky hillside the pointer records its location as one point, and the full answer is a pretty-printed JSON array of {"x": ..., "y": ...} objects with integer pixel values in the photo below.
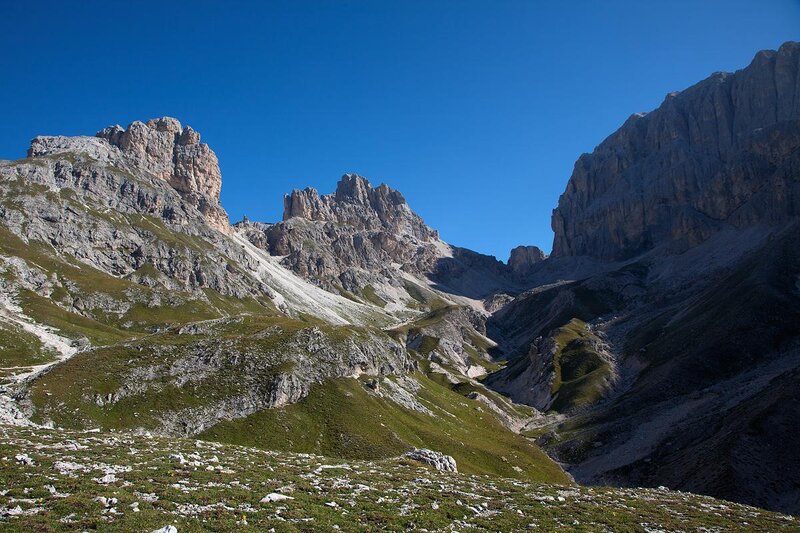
[
  {"x": 129, "y": 303},
  {"x": 366, "y": 242},
  {"x": 669, "y": 355}
]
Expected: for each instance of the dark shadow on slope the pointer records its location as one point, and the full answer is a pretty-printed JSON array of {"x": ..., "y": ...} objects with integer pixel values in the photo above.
[{"x": 715, "y": 407}]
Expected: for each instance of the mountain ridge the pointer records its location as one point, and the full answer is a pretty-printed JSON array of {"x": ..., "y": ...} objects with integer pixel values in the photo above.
[{"x": 655, "y": 349}]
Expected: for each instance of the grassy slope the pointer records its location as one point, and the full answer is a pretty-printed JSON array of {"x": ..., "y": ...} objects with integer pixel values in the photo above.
[
  {"x": 219, "y": 488},
  {"x": 20, "y": 348},
  {"x": 67, "y": 393},
  {"x": 340, "y": 418},
  {"x": 581, "y": 373}
]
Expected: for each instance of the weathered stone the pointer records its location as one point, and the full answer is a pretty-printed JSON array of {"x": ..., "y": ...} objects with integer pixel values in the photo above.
[
  {"x": 175, "y": 154},
  {"x": 522, "y": 258},
  {"x": 437, "y": 460},
  {"x": 723, "y": 153}
]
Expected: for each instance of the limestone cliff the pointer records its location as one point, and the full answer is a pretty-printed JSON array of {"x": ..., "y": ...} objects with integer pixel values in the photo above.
[{"x": 724, "y": 153}]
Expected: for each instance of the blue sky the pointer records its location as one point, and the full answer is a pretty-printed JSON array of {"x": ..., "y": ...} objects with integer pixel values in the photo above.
[{"x": 476, "y": 111}]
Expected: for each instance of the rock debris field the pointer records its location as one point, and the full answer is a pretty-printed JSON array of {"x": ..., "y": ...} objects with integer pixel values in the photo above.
[{"x": 69, "y": 481}]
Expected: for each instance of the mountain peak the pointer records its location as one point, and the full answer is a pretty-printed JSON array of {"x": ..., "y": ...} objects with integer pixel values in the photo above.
[
  {"x": 164, "y": 148},
  {"x": 168, "y": 150},
  {"x": 357, "y": 203},
  {"x": 658, "y": 179},
  {"x": 523, "y": 258},
  {"x": 353, "y": 187}
]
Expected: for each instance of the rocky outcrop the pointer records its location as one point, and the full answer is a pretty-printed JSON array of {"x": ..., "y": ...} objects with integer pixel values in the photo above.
[
  {"x": 358, "y": 237},
  {"x": 86, "y": 199},
  {"x": 175, "y": 154},
  {"x": 124, "y": 214},
  {"x": 360, "y": 206},
  {"x": 363, "y": 237},
  {"x": 248, "y": 370},
  {"x": 438, "y": 460},
  {"x": 357, "y": 226},
  {"x": 523, "y": 258},
  {"x": 529, "y": 379},
  {"x": 161, "y": 148},
  {"x": 724, "y": 153}
]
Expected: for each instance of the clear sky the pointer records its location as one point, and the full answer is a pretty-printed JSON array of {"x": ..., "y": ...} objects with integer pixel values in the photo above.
[{"x": 475, "y": 111}]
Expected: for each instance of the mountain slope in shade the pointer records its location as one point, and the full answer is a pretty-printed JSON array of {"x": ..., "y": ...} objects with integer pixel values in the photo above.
[
  {"x": 677, "y": 245},
  {"x": 721, "y": 154}
]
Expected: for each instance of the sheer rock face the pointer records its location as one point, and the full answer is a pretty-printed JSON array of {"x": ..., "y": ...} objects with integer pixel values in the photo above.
[
  {"x": 175, "y": 154},
  {"x": 363, "y": 236},
  {"x": 723, "y": 153},
  {"x": 522, "y": 258}
]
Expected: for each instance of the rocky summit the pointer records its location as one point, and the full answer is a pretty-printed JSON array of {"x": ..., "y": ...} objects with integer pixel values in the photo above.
[
  {"x": 720, "y": 155},
  {"x": 162, "y": 369}
]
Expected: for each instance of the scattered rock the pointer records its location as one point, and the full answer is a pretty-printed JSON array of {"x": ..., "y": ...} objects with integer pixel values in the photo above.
[
  {"x": 437, "y": 460},
  {"x": 275, "y": 497},
  {"x": 24, "y": 458}
]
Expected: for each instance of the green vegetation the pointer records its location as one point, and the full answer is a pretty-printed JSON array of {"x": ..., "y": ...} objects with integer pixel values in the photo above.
[
  {"x": 430, "y": 318},
  {"x": 200, "y": 486},
  {"x": 371, "y": 296},
  {"x": 175, "y": 239},
  {"x": 69, "y": 324},
  {"x": 426, "y": 298},
  {"x": 87, "y": 279},
  {"x": 250, "y": 353},
  {"x": 20, "y": 348},
  {"x": 340, "y": 418},
  {"x": 582, "y": 374}
]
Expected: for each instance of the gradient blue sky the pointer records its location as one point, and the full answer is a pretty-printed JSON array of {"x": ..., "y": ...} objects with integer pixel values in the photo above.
[{"x": 476, "y": 111}]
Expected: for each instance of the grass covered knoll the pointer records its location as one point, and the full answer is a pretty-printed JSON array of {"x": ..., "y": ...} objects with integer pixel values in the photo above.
[
  {"x": 141, "y": 382},
  {"x": 69, "y": 479},
  {"x": 340, "y": 418},
  {"x": 582, "y": 373}
]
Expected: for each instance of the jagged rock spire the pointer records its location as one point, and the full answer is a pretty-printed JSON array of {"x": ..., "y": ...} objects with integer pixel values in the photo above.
[{"x": 360, "y": 205}]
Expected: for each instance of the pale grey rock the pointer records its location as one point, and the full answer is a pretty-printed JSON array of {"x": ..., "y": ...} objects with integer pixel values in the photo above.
[
  {"x": 102, "y": 209},
  {"x": 175, "y": 154},
  {"x": 438, "y": 460},
  {"x": 24, "y": 458},
  {"x": 460, "y": 331},
  {"x": 362, "y": 236},
  {"x": 275, "y": 497},
  {"x": 91, "y": 147},
  {"x": 166, "y": 529}
]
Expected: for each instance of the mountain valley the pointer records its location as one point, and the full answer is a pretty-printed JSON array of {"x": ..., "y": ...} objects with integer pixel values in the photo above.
[{"x": 657, "y": 346}]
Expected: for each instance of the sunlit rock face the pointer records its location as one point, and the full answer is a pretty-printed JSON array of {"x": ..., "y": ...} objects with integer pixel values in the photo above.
[{"x": 164, "y": 148}]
